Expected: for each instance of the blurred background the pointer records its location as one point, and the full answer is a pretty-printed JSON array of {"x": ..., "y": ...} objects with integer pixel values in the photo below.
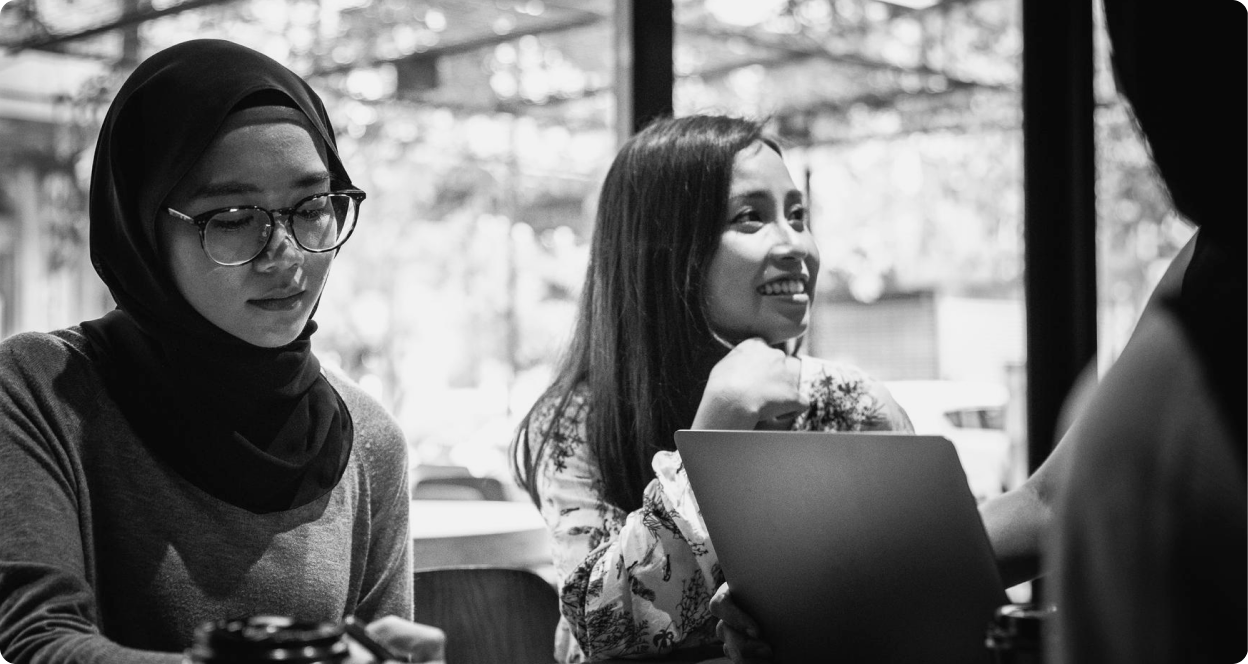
[{"x": 481, "y": 130}]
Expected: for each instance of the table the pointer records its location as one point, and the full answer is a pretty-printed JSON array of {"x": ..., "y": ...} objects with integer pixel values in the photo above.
[{"x": 448, "y": 533}]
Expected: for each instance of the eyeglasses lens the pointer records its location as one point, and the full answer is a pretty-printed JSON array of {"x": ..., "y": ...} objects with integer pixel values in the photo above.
[
  {"x": 316, "y": 223},
  {"x": 236, "y": 236}
]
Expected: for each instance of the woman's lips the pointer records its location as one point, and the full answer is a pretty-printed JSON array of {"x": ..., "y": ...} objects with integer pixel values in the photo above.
[{"x": 278, "y": 303}]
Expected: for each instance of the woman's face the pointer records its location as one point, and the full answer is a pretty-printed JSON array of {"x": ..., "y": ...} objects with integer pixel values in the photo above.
[
  {"x": 762, "y": 277},
  {"x": 254, "y": 160}
]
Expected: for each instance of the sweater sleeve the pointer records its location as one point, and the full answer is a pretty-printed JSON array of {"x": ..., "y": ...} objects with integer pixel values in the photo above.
[
  {"x": 388, "y": 573},
  {"x": 631, "y": 583},
  {"x": 387, "y": 584},
  {"x": 48, "y": 609}
]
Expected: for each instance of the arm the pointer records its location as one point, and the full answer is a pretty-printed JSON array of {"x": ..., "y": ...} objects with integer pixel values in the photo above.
[
  {"x": 1018, "y": 522},
  {"x": 387, "y": 585},
  {"x": 634, "y": 583},
  {"x": 1148, "y": 538},
  {"x": 48, "y": 610},
  {"x": 385, "y": 602}
]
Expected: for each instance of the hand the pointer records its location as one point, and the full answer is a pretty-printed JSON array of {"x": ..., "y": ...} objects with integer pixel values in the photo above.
[
  {"x": 740, "y": 634},
  {"x": 404, "y": 638},
  {"x": 754, "y": 384}
]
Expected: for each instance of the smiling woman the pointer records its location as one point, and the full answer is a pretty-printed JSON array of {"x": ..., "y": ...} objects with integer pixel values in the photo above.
[
  {"x": 185, "y": 458},
  {"x": 698, "y": 292}
]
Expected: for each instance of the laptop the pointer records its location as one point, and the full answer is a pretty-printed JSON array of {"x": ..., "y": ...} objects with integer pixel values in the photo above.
[{"x": 853, "y": 547}]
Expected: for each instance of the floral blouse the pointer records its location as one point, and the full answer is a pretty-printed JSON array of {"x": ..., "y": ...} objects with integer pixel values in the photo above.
[{"x": 640, "y": 583}]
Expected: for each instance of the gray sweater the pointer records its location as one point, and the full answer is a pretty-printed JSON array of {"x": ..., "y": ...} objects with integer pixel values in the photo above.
[{"x": 107, "y": 555}]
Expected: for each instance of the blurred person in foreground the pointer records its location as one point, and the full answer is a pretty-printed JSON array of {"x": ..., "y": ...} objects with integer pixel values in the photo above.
[
  {"x": 701, "y": 275},
  {"x": 1149, "y": 553},
  {"x": 1140, "y": 513},
  {"x": 185, "y": 458}
]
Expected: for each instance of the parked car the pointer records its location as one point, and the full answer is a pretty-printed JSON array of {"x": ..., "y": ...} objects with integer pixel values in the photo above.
[{"x": 972, "y": 416}]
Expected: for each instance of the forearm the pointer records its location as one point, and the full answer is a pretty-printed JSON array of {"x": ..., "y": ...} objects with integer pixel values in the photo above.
[
  {"x": 646, "y": 589},
  {"x": 1016, "y": 523},
  {"x": 42, "y": 622}
]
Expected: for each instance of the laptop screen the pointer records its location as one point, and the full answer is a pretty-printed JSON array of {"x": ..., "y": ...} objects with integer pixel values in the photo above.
[{"x": 848, "y": 546}]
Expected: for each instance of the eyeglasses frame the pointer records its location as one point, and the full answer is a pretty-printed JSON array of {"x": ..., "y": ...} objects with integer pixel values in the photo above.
[{"x": 201, "y": 220}]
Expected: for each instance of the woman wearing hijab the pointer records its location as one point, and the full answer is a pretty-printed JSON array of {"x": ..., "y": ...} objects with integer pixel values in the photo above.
[{"x": 185, "y": 458}]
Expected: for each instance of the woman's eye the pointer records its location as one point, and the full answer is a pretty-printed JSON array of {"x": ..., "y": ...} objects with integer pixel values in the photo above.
[
  {"x": 310, "y": 213},
  {"x": 748, "y": 219},
  {"x": 798, "y": 216}
]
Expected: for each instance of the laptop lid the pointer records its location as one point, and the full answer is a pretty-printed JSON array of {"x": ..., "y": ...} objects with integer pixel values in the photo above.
[{"x": 849, "y": 546}]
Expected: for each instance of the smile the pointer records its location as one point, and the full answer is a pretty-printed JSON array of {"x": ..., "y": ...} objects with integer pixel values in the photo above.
[
  {"x": 783, "y": 287},
  {"x": 278, "y": 303}
]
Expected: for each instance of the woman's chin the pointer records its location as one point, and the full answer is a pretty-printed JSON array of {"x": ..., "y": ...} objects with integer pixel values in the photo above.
[
  {"x": 784, "y": 340},
  {"x": 772, "y": 335}
]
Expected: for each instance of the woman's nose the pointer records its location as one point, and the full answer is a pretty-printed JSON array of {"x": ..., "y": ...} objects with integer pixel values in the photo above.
[
  {"x": 790, "y": 243},
  {"x": 282, "y": 251}
]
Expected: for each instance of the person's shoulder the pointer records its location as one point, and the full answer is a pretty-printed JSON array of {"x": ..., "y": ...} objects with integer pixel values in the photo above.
[
  {"x": 374, "y": 426},
  {"x": 559, "y": 408},
  {"x": 1156, "y": 391},
  {"x": 814, "y": 366},
  {"x": 845, "y": 397},
  {"x": 831, "y": 379},
  {"x": 39, "y": 356}
]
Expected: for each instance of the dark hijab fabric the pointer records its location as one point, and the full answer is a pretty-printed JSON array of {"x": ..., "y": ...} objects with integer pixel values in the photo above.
[{"x": 260, "y": 428}]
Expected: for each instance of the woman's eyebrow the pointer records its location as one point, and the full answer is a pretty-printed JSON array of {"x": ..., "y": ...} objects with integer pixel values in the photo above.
[
  {"x": 751, "y": 194},
  {"x": 313, "y": 179},
  {"x": 229, "y": 187}
]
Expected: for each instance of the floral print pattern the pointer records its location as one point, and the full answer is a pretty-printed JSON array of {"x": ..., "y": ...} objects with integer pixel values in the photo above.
[{"x": 640, "y": 583}]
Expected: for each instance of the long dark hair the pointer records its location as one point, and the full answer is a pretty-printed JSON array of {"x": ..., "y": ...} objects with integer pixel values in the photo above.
[{"x": 642, "y": 345}]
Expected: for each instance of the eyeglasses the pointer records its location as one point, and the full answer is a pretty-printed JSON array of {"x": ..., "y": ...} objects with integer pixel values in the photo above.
[{"x": 237, "y": 235}]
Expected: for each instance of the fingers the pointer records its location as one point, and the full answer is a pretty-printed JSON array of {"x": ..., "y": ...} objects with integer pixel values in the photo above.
[
  {"x": 739, "y": 632},
  {"x": 420, "y": 643},
  {"x": 725, "y": 608},
  {"x": 740, "y": 648}
]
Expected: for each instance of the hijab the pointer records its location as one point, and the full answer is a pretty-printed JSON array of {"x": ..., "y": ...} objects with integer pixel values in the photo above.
[{"x": 260, "y": 428}]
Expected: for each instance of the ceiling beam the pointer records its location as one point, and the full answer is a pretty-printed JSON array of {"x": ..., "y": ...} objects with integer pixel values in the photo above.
[
  {"x": 578, "y": 20},
  {"x": 49, "y": 42},
  {"x": 784, "y": 54}
]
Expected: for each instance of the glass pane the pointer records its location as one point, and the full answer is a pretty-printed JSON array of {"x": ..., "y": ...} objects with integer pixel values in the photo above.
[
  {"x": 1138, "y": 231},
  {"x": 903, "y": 121}
]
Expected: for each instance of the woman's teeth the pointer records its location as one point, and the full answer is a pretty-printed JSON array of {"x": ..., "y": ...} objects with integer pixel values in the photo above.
[{"x": 786, "y": 287}]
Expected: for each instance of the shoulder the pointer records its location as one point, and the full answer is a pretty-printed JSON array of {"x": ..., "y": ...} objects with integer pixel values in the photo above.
[
  {"x": 1156, "y": 392},
  {"x": 843, "y": 397},
  {"x": 559, "y": 410},
  {"x": 32, "y": 349},
  {"x": 377, "y": 434},
  {"x": 556, "y": 427},
  {"x": 62, "y": 360}
]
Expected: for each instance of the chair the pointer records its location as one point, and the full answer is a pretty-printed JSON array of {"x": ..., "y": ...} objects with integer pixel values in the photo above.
[
  {"x": 491, "y": 615},
  {"x": 458, "y": 488}
]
